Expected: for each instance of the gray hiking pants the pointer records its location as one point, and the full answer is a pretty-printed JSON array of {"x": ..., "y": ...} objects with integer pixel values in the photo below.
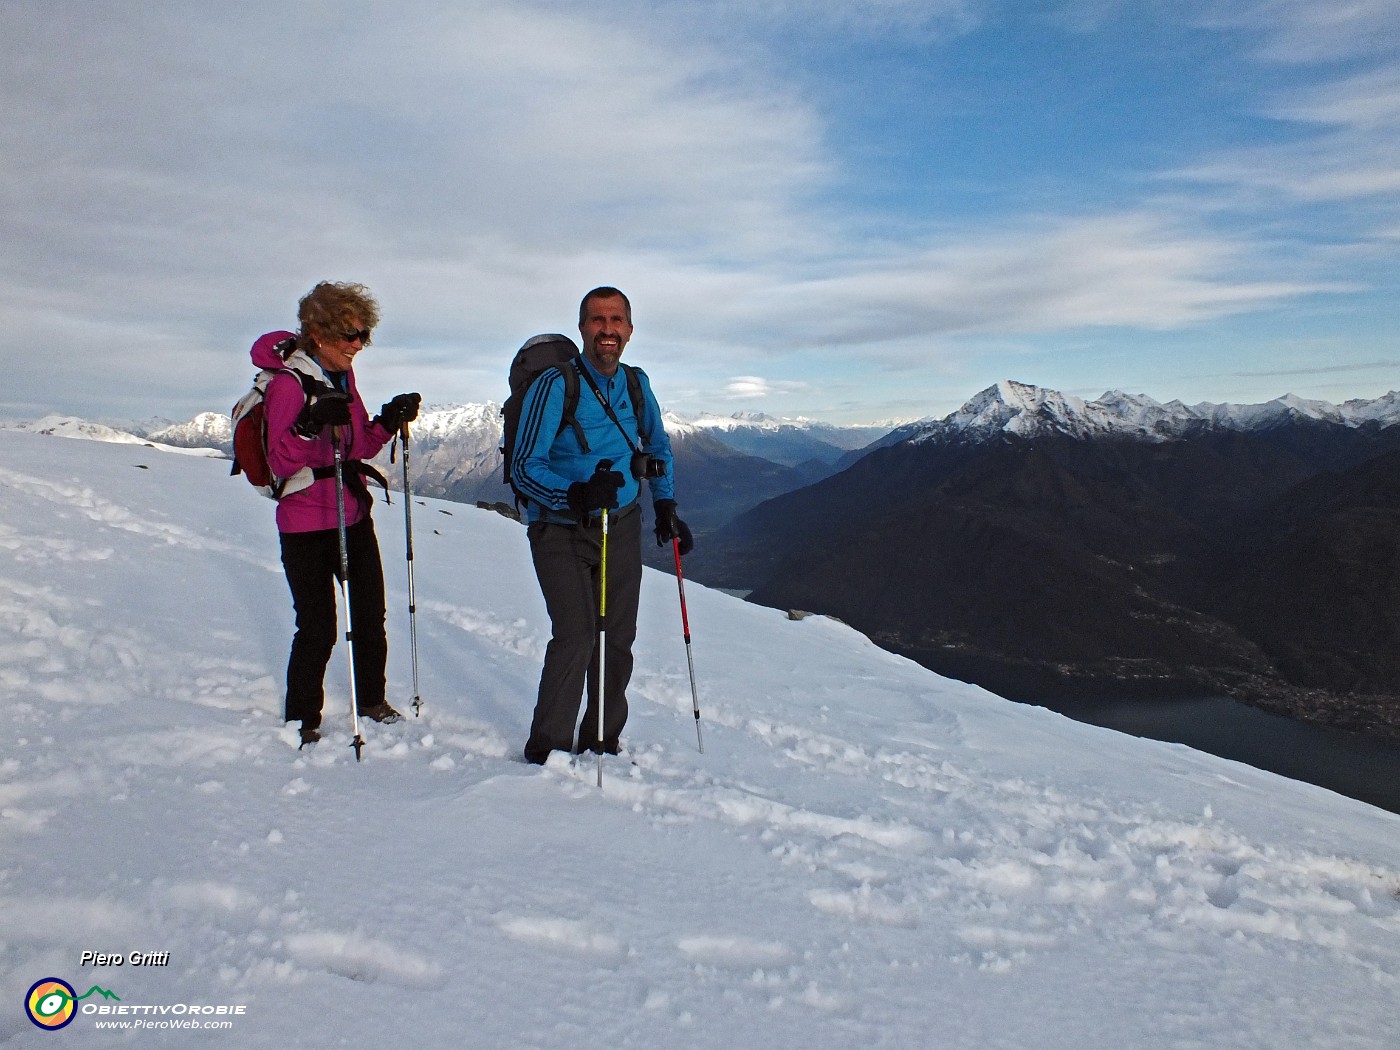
[{"x": 567, "y": 561}]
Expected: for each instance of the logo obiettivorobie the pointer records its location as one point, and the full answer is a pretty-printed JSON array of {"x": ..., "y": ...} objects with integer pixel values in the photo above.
[{"x": 52, "y": 1003}]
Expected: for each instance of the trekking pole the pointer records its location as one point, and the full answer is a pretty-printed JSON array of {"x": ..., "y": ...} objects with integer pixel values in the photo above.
[
  {"x": 685, "y": 630},
  {"x": 602, "y": 640},
  {"x": 412, "y": 602},
  {"x": 357, "y": 741}
]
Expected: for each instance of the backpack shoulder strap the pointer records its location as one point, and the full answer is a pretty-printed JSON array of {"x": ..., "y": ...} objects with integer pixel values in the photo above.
[
  {"x": 310, "y": 385},
  {"x": 569, "y": 370},
  {"x": 634, "y": 391},
  {"x": 311, "y": 388}
]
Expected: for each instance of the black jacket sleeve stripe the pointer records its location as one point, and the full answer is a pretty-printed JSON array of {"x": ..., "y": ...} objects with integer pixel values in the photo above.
[{"x": 529, "y": 435}]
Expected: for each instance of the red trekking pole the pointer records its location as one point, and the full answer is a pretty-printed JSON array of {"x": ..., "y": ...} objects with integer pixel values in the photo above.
[{"x": 685, "y": 628}]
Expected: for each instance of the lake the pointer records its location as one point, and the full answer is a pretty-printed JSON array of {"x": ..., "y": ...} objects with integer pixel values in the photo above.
[{"x": 1348, "y": 763}]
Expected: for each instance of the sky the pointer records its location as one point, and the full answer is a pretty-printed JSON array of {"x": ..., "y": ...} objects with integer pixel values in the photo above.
[
  {"x": 854, "y": 210},
  {"x": 865, "y": 855}
]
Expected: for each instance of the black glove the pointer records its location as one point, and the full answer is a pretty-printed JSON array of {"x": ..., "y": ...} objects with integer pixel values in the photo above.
[
  {"x": 328, "y": 410},
  {"x": 401, "y": 409},
  {"x": 597, "y": 493},
  {"x": 669, "y": 527}
]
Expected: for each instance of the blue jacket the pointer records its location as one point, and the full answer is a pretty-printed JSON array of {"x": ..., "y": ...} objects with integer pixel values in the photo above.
[{"x": 546, "y": 460}]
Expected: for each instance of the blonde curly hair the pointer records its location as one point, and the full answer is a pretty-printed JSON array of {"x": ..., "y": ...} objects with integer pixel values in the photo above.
[{"x": 333, "y": 308}]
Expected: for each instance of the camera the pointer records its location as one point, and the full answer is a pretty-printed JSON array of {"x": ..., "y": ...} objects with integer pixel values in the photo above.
[{"x": 645, "y": 465}]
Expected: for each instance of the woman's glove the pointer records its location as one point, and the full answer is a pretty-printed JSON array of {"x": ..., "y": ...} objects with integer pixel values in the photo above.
[
  {"x": 328, "y": 410},
  {"x": 401, "y": 409}
]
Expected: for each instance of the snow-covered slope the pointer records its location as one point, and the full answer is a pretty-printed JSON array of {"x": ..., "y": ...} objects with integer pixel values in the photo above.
[
  {"x": 73, "y": 427},
  {"x": 866, "y": 855},
  {"x": 1022, "y": 410}
]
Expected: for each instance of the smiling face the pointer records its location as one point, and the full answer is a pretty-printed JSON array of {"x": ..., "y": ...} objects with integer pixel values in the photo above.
[
  {"x": 336, "y": 322},
  {"x": 605, "y": 327},
  {"x": 334, "y": 350}
]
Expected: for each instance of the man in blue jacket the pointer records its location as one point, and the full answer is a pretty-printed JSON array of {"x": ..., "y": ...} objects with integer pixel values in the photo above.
[{"x": 569, "y": 475}]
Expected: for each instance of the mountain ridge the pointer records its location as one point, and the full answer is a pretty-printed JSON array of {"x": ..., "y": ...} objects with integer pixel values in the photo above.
[
  {"x": 1031, "y": 547},
  {"x": 1005, "y": 407},
  {"x": 1015, "y": 408}
]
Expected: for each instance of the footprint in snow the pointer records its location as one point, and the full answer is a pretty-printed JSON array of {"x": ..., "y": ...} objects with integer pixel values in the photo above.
[
  {"x": 563, "y": 934},
  {"x": 363, "y": 959}
]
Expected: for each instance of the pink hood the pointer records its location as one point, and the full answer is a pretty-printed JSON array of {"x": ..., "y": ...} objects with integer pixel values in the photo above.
[{"x": 264, "y": 353}]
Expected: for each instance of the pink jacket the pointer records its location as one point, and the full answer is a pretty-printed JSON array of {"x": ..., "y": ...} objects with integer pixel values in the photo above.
[{"x": 287, "y": 451}]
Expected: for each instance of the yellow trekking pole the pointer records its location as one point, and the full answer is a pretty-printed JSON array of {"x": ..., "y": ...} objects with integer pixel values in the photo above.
[{"x": 602, "y": 640}]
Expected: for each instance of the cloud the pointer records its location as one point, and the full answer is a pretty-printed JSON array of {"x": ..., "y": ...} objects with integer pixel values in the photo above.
[
  {"x": 939, "y": 17},
  {"x": 1334, "y": 142},
  {"x": 1349, "y": 149},
  {"x": 168, "y": 172},
  {"x": 906, "y": 20},
  {"x": 748, "y": 388},
  {"x": 1364, "y": 101},
  {"x": 1307, "y": 31},
  {"x": 1130, "y": 270},
  {"x": 174, "y": 176},
  {"x": 1366, "y": 366},
  {"x": 456, "y": 134}
]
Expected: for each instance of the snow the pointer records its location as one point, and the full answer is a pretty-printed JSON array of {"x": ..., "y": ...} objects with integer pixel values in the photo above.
[
  {"x": 470, "y": 434},
  {"x": 73, "y": 427},
  {"x": 205, "y": 430},
  {"x": 866, "y": 855},
  {"x": 442, "y": 422},
  {"x": 1023, "y": 410},
  {"x": 849, "y": 437}
]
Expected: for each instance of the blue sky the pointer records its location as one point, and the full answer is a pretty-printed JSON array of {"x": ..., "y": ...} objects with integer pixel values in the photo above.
[{"x": 849, "y": 210}]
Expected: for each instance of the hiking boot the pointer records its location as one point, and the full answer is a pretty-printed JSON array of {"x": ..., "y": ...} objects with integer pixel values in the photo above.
[
  {"x": 610, "y": 747},
  {"x": 381, "y": 712},
  {"x": 309, "y": 736}
]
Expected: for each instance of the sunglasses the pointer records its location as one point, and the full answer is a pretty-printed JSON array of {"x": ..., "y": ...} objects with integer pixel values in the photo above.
[{"x": 361, "y": 335}]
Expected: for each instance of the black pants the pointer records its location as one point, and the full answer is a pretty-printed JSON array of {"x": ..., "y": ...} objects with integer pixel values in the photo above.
[
  {"x": 311, "y": 561},
  {"x": 567, "y": 559}
]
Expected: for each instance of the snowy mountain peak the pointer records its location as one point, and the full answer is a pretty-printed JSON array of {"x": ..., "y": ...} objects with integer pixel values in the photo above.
[
  {"x": 1023, "y": 410},
  {"x": 438, "y": 422},
  {"x": 748, "y": 420},
  {"x": 677, "y": 425},
  {"x": 1009, "y": 407},
  {"x": 1020, "y": 407},
  {"x": 206, "y": 430}
]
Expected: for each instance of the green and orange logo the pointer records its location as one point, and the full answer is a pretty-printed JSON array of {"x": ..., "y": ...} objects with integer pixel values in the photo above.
[{"x": 52, "y": 1003}]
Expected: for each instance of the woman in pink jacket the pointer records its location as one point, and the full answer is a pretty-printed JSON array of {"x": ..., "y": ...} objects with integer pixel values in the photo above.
[{"x": 336, "y": 323}]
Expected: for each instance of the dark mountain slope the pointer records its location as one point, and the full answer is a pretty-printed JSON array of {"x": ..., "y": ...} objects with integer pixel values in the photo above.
[
  {"x": 716, "y": 484},
  {"x": 1320, "y": 587},
  {"x": 1054, "y": 567}
]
